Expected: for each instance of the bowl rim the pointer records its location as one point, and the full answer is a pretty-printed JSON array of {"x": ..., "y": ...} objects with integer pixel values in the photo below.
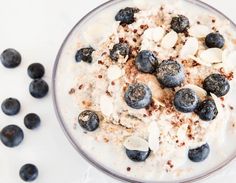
[{"x": 79, "y": 149}]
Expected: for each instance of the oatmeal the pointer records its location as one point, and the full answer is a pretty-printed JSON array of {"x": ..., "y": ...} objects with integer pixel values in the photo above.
[{"x": 155, "y": 92}]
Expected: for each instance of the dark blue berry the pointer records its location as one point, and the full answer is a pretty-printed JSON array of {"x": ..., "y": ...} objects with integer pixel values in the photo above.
[
  {"x": 88, "y": 120},
  {"x": 170, "y": 73},
  {"x": 207, "y": 110},
  {"x": 126, "y": 15},
  {"x": 32, "y": 121},
  {"x": 199, "y": 154},
  {"x": 10, "y": 106},
  {"x": 38, "y": 88},
  {"x": 214, "y": 40},
  {"x": 146, "y": 61},
  {"x": 217, "y": 84},
  {"x": 10, "y": 58},
  {"x": 84, "y": 54},
  {"x": 12, "y": 135},
  {"x": 137, "y": 156},
  {"x": 179, "y": 23},
  {"x": 28, "y": 172},
  {"x": 36, "y": 70},
  {"x": 186, "y": 100},
  {"x": 138, "y": 96},
  {"x": 119, "y": 49}
]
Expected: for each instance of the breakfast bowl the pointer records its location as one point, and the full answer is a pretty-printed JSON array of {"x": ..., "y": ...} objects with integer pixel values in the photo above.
[{"x": 144, "y": 89}]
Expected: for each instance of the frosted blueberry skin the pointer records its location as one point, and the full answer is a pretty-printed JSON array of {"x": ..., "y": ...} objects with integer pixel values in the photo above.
[
  {"x": 88, "y": 120},
  {"x": 38, "y": 88},
  {"x": 214, "y": 40},
  {"x": 119, "y": 49},
  {"x": 207, "y": 110},
  {"x": 170, "y": 73},
  {"x": 10, "y": 58},
  {"x": 216, "y": 84},
  {"x": 36, "y": 71},
  {"x": 146, "y": 61},
  {"x": 186, "y": 100},
  {"x": 28, "y": 172},
  {"x": 32, "y": 121},
  {"x": 180, "y": 23},
  {"x": 12, "y": 136},
  {"x": 11, "y": 106},
  {"x": 199, "y": 154},
  {"x": 138, "y": 96},
  {"x": 126, "y": 15},
  {"x": 137, "y": 156},
  {"x": 84, "y": 54}
]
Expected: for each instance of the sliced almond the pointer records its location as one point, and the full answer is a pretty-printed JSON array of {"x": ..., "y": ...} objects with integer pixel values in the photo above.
[
  {"x": 190, "y": 48},
  {"x": 199, "y": 31},
  {"x": 154, "y": 34},
  {"x": 106, "y": 105},
  {"x": 198, "y": 60},
  {"x": 211, "y": 55},
  {"x": 218, "y": 103},
  {"x": 136, "y": 143},
  {"x": 153, "y": 138},
  {"x": 169, "y": 40},
  {"x": 201, "y": 93},
  {"x": 229, "y": 60},
  {"x": 114, "y": 72}
]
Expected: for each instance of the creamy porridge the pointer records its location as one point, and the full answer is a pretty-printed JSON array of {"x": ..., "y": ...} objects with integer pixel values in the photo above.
[{"x": 148, "y": 87}]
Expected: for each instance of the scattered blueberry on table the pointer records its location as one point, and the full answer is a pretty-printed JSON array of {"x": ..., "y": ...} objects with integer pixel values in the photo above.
[
  {"x": 38, "y": 88},
  {"x": 36, "y": 71},
  {"x": 10, "y": 58},
  {"x": 88, "y": 120},
  {"x": 32, "y": 121},
  {"x": 12, "y": 135},
  {"x": 10, "y": 106},
  {"x": 138, "y": 96},
  {"x": 28, "y": 172}
]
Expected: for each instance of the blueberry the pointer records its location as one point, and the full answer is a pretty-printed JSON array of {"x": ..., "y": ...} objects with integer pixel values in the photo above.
[
  {"x": 88, "y": 120},
  {"x": 170, "y": 73},
  {"x": 138, "y": 96},
  {"x": 199, "y": 154},
  {"x": 179, "y": 23},
  {"x": 36, "y": 70},
  {"x": 214, "y": 40},
  {"x": 126, "y": 15},
  {"x": 28, "y": 172},
  {"x": 12, "y": 135},
  {"x": 137, "y": 156},
  {"x": 10, "y": 106},
  {"x": 119, "y": 49},
  {"x": 146, "y": 61},
  {"x": 32, "y": 121},
  {"x": 207, "y": 110},
  {"x": 38, "y": 88},
  {"x": 10, "y": 58},
  {"x": 84, "y": 54},
  {"x": 217, "y": 84},
  {"x": 186, "y": 100}
]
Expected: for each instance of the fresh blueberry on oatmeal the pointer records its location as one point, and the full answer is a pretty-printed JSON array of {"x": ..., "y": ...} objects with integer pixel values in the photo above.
[
  {"x": 119, "y": 49},
  {"x": 84, "y": 54},
  {"x": 199, "y": 154},
  {"x": 180, "y": 23},
  {"x": 214, "y": 40},
  {"x": 88, "y": 120},
  {"x": 126, "y": 15},
  {"x": 207, "y": 110},
  {"x": 138, "y": 96},
  {"x": 170, "y": 73},
  {"x": 216, "y": 84}
]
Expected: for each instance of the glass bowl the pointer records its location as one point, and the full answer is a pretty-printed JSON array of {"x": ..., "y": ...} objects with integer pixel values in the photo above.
[{"x": 59, "y": 78}]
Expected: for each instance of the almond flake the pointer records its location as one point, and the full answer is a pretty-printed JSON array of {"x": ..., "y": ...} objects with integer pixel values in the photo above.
[
  {"x": 211, "y": 55},
  {"x": 199, "y": 31},
  {"x": 154, "y": 34},
  {"x": 201, "y": 93},
  {"x": 106, "y": 105},
  {"x": 136, "y": 143},
  {"x": 114, "y": 72},
  {"x": 153, "y": 138},
  {"x": 190, "y": 48},
  {"x": 169, "y": 40}
]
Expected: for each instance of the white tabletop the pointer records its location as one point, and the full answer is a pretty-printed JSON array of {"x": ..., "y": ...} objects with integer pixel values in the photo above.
[{"x": 37, "y": 29}]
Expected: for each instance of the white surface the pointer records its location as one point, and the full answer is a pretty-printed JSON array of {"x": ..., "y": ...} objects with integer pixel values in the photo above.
[{"x": 37, "y": 29}]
